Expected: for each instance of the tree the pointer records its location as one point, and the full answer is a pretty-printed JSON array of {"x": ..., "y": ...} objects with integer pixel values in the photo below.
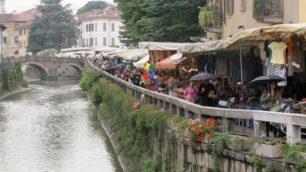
[
  {"x": 159, "y": 20},
  {"x": 55, "y": 28},
  {"x": 93, "y": 5}
]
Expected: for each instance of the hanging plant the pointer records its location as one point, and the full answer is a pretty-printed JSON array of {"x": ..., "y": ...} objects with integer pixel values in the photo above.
[{"x": 209, "y": 16}]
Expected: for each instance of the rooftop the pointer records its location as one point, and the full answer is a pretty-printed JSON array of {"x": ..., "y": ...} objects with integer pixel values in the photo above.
[{"x": 109, "y": 12}]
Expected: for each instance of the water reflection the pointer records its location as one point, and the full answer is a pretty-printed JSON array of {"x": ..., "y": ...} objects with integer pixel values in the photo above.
[{"x": 53, "y": 128}]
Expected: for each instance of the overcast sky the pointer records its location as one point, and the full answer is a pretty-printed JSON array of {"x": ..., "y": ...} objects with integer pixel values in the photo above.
[{"x": 22, "y": 5}]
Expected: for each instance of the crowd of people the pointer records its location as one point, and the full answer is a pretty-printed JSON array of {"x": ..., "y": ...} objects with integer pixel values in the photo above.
[{"x": 210, "y": 92}]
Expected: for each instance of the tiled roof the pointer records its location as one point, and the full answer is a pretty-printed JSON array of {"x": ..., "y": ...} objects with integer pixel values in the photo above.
[
  {"x": 109, "y": 12},
  {"x": 26, "y": 16},
  {"x": 5, "y": 18}
]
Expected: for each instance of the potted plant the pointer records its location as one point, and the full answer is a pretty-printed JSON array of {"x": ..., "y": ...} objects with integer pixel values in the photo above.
[{"x": 209, "y": 16}]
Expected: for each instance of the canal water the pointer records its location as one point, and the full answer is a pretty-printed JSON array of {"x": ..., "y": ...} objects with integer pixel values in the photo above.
[{"x": 53, "y": 128}]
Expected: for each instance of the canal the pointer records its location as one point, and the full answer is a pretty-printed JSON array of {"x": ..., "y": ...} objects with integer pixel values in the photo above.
[{"x": 53, "y": 128}]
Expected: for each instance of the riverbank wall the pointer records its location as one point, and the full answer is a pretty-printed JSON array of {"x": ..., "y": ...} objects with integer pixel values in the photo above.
[
  {"x": 148, "y": 138},
  {"x": 11, "y": 78}
]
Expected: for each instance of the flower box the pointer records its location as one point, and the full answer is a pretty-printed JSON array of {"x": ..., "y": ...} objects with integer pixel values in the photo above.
[{"x": 266, "y": 150}]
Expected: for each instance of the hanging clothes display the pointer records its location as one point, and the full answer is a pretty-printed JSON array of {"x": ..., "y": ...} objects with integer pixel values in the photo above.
[
  {"x": 298, "y": 60},
  {"x": 221, "y": 66},
  {"x": 263, "y": 54},
  {"x": 278, "y": 52},
  {"x": 275, "y": 69}
]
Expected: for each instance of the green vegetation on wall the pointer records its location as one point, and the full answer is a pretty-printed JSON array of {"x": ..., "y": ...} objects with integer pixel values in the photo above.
[
  {"x": 11, "y": 76},
  {"x": 138, "y": 129}
]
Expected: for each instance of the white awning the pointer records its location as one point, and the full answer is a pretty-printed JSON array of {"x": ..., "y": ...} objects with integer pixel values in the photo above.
[
  {"x": 133, "y": 54},
  {"x": 141, "y": 63},
  {"x": 161, "y": 45}
]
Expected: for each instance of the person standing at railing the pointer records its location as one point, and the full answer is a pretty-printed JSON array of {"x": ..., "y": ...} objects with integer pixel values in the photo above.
[
  {"x": 190, "y": 93},
  {"x": 206, "y": 93},
  {"x": 270, "y": 100}
]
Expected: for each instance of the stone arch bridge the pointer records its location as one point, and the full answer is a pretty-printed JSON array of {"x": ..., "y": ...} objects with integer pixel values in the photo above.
[{"x": 49, "y": 66}]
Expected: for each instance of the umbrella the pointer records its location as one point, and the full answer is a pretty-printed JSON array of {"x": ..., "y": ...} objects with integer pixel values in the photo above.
[
  {"x": 265, "y": 79},
  {"x": 202, "y": 76}
]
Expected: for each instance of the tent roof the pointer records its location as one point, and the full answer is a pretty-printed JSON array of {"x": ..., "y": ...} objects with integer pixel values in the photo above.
[
  {"x": 162, "y": 45},
  {"x": 283, "y": 31},
  {"x": 168, "y": 63},
  {"x": 201, "y": 47},
  {"x": 133, "y": 54}
]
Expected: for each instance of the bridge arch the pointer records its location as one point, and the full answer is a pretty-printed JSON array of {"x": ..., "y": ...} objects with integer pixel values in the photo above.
[
  {"x": 79, "y": 68},
  {"x": 42, "y": 69},
  {"x": 70, "y": 70}
]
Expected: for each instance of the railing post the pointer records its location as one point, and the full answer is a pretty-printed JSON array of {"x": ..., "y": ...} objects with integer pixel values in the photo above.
[
  {"x": 293, "y": 134},
  {"x": 228, "y": 124},
  {"x": 260, "y": 128},
  {"x": 178, "y": 111}
]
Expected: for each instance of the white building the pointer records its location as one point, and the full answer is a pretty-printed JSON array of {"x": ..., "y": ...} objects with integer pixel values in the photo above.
[{"x": 100, "y": 28}]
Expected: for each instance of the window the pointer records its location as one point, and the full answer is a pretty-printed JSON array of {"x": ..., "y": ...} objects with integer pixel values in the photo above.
[
  {"x": 104, "y": 27},
  {"x": 90, "y": 28},
  {"x": 86, "y": 42},
  {"x": 243, "y": 5},
  {"x": 83, "y": 42},
  {"x": 104, "y": 41},
  {"x": 229, "y": 6},
  {"x": 113, "y": 41},
  {"x": 96, "y": 42},
  {"x": 96, "y": 27},
  {"x": 16, "y": 40},
  {"x": 91, "y": 41},
  {"x": 24, "y": 31},
  {"x": 113, "y": 27},
  {"x": 20, "y": 44},
  {"x": 20, "y": 32}
]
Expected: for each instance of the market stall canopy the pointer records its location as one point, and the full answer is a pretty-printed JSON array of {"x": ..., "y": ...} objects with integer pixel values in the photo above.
[
  {"x": 283, "y": 31},
  {"x": 161, "y": 46},
  {"x": 141, "y": 63},
  {"x": 106, "y": 49},
  {"x": 112, "y": 53},
  {"x": 133, "y": 54},
  {"x": 168, "y": 63},
  {"x": 200, "y": 47}
]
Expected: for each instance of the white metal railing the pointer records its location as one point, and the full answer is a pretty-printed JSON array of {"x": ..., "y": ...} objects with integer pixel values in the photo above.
[{"x": 183, "y": 108}]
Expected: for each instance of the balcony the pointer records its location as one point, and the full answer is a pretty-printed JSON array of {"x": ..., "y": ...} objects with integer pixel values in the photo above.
[
  {"x": 268, "y": 11},
  {"x": 210, "y": 18}
]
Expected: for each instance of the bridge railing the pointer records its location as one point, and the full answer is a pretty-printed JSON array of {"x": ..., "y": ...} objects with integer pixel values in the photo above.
[
  {"x": 182, "y": 108},
  {"x": 50, "y": 59}
]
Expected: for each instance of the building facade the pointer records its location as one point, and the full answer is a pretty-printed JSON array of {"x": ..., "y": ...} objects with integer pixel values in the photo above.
[
  {"x": 236, "y": 15},
  {"x": 15, "y": 36},
  {"x": 23, "y": 36},
  {"x": 100, "y": 28}
]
